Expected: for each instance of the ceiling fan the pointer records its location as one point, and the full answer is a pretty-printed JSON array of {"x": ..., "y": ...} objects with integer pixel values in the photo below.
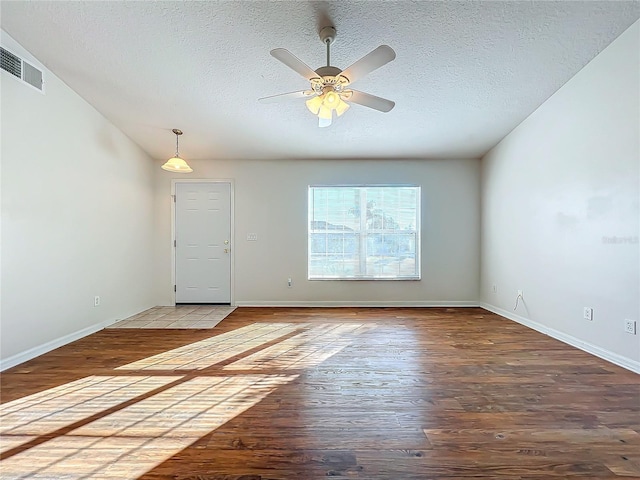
[{"x": 331, "y": 87}]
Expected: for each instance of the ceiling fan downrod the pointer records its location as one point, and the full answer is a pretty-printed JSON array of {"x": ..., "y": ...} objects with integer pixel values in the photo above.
[{"x": 328, "y": 35}]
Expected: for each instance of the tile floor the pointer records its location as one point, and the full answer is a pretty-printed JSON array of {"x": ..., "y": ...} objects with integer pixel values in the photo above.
[{"x": 180, "y": 316}]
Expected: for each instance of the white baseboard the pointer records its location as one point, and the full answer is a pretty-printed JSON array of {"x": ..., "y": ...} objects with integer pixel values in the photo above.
[
  {"x": 612, "y": 357},
  {"x": 296, "y": 303},
  {"x": 52, "y": 345}
]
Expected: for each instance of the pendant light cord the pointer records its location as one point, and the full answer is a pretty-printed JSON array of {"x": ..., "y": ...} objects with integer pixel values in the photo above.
[{"x": 177, "y": 152}]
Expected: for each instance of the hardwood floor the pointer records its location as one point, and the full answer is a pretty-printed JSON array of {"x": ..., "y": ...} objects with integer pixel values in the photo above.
[{"x": 285, "y": 393}]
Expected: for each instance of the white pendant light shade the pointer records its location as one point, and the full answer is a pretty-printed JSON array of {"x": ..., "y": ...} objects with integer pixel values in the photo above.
[{"x": 176, "y": 164}]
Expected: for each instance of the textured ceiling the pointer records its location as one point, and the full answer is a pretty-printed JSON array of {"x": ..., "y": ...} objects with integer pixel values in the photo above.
[{"x": 465, "y": 75}]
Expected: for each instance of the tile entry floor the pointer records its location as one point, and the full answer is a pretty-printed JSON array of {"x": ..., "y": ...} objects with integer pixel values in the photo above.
[{"x": 180, "y": 316}]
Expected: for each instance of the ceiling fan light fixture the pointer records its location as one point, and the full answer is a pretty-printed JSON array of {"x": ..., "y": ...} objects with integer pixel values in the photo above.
[
  {"x": 177, "y": 164},
  {"x": 325, "y": 112},
  {"x": 323, "y": 105},
  {"x": 314, "y": 104},
  {"x": 341, "y": 107},
  {"x": 331, "y": 99}
]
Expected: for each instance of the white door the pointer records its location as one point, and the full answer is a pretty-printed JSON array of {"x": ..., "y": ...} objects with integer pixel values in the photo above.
[{"x": 203, "y": 242}]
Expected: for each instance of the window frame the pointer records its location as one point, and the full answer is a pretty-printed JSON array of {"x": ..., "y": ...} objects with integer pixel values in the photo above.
[{"x": 362, "y": 236}]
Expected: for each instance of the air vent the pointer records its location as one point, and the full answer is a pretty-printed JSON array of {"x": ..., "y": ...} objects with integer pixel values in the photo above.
[
  {"x": 24, "y": 71},
  {"x": 32, "y": 75},
  {"x": 11, "y": 63}
]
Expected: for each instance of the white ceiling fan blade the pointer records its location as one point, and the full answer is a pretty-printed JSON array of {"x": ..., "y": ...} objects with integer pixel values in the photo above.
[
  {"x": 294, "y": 63},
  {"x": 371, "y": 101},
  {"x": 367, "y": 64},
  {"x": 286, "y": 96}
]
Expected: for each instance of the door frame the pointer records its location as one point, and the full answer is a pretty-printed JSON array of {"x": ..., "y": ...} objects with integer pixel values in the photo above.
[{"x": 232, "y": 227}]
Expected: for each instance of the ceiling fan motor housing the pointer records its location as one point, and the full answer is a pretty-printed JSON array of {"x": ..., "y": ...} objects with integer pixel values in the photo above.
[
  {"x": 328, "y": 71},
  {"x": 329, "y": 77}
]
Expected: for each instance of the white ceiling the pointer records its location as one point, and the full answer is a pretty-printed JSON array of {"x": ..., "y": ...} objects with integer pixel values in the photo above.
[{"x": 465, "y": 75}]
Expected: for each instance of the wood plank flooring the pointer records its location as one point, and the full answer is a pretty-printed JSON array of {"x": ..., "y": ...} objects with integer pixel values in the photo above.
[{"x": 308, "y": 393}]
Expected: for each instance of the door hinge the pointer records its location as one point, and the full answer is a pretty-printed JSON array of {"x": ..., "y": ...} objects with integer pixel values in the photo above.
[
  {"x": 174, "y": 243},
  {"x": 174, "y": 198},
  {"x": 174, "y": 288}
]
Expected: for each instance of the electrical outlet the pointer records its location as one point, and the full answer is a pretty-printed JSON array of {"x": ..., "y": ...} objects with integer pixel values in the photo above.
[
  {"x": 494, "y": 289},
  {"x": 520, "y": 294},
  {"x": 630, "y": 326},
  {"x": 289, "y": 282},
  {"x": 96, "y": 301},
  {"x": 588, "y": 313},
  {"x": 252, "y": 237}
]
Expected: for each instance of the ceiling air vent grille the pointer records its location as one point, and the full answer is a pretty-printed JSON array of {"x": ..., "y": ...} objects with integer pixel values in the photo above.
[
  {"x": 11, "y": 63},
  {"x": 24, "y": 71}
]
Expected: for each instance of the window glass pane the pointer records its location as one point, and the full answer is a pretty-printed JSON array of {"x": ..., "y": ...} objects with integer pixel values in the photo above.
[{"x": 364, "y": 232}]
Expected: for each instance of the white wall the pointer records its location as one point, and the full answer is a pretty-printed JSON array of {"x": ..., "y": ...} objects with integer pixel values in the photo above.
[
  {"x": 555, "y": 192},
  {"x": 77, "y": 218},
  {"x": 271, "y": 200}
]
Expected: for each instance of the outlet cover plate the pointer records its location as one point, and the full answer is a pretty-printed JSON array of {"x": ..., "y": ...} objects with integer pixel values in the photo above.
[
  {"x": 588, "y": 313},
  {"x": 630, "y": 326}
]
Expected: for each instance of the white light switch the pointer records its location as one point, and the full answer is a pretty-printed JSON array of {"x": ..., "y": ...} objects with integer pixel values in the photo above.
[{"x": 252, "y": 237}]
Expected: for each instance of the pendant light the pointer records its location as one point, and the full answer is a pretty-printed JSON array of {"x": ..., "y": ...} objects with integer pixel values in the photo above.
[{"x": 175, "y": 163}]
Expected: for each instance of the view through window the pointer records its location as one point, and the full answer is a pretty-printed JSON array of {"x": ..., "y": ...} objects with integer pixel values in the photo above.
[{"x": 359, "y": 232}]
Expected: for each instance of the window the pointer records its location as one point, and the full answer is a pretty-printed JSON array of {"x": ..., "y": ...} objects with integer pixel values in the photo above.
[{"x": 364, "y": 232}]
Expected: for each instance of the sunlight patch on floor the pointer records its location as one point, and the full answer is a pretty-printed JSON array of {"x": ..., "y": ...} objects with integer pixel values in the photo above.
[
  {"x": 129, "y": 442},
  {"x": 120, "y": 427},
  {"x": 59, "y": 407},
  {"x": 208, "y": 352},
  {"x": 304, "y": 350}
]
